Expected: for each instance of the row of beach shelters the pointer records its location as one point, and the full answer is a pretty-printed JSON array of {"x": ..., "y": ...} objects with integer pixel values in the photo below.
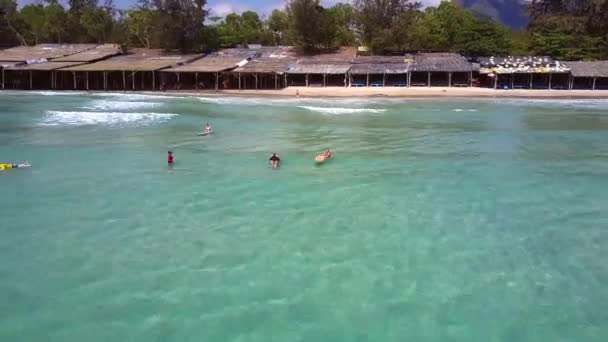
[
  {"x": 523, "y": 72},
  {"x": 380, "y": 71},
  {"x": 238, "y": 68},
  {"x": 588, "y": 75},
  {"x": 137, "y": 70},
  {"x": 441, "y": 69},
  {"x": 33, "y": 67},
  {"x": 322, "y": 70}
]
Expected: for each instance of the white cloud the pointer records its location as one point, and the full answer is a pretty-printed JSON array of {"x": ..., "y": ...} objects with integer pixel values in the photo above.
[{"x": 222, "y": 9}]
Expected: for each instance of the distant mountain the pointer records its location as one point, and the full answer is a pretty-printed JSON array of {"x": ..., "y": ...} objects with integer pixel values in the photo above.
[{"x": 511, "y": 13}]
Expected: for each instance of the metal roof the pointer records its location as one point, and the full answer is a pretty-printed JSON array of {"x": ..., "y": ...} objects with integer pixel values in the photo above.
[{"x": 374, "y": 68}]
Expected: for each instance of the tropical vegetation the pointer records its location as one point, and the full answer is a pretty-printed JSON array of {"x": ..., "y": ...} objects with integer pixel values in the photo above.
[{"x": 565, "y": 29}]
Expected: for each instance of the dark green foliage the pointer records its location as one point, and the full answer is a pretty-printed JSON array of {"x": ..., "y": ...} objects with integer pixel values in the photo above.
[{"x": 564, "y": 29}]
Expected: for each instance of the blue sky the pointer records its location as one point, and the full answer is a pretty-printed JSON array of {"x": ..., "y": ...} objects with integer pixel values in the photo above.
[{"x": 223, "y": 7}]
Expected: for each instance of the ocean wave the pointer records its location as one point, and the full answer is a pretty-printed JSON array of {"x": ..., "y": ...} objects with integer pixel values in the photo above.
[
  {"x": 341, "y": 110},
  {"x": 463, "y": 110},
  {"x": 43, "y": 92},
  {"x": 138, "y": 97},
  {"x": 120, "y": 105},
  {"x": 57, "y": 118}
]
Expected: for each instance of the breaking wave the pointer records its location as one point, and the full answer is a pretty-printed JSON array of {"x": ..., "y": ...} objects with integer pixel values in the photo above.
[
  {"x": 57, "y": 118},
  {"x": 339, "y": 110},
  {"x": 120, "y": 105}
]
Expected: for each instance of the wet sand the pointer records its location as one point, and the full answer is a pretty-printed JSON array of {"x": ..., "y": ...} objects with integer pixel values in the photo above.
[{"x": 414, "y": 92}]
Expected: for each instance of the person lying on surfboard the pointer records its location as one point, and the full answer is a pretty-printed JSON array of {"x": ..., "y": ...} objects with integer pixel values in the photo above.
[
  {"x": 14, "y": 166},
  {"x": 275, "y": 160},
  {"x": 323, "y": 156}
]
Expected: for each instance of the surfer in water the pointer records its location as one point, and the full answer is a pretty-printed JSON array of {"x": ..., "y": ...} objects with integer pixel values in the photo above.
[
  {"x": 207, "y": 128},
  {"x": 275, "y": 160},
  {"x": 14, "y": 166}
]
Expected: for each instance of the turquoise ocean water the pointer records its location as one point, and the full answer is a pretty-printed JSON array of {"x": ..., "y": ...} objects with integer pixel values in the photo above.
[{"x": 437, "y": 220}]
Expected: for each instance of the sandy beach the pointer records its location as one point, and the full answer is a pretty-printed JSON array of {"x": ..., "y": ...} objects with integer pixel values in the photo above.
[{"x": 416, "y": 92}]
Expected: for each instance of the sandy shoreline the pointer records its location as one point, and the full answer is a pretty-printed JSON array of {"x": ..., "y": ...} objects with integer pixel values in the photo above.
[
  {"x": 434, "y": 92},
  {"x": 389, "y": 92}
]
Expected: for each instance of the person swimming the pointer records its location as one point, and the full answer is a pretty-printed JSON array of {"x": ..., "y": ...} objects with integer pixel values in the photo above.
[
  {"x": 275, "y": 160},
  {"x": 170, "y": 157}
]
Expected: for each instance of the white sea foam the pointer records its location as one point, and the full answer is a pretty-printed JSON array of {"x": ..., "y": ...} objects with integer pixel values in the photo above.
[
  {"x": 340, "y": 110},
  {"x": 109, "y": 105},
  {"x": 463, "y": 110},
  {"x": 57, "y": 118},
  {"x": 136, "y": 97}
]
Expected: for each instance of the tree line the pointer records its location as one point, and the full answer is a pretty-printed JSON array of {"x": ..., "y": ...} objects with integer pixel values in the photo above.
[{"x": 565, "y": 29}]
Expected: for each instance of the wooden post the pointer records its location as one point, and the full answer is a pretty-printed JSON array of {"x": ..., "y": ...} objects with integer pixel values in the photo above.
[
  {"x": 531, "y": 76},
  {"x": 217, "y": 80},
  {"x": 276, "y": 85},
  {"x": 449, "y": 79},
  {"x": 409, "y": 79},
  {"x": 307, "y": 80},
  {"x": 512, "y": 80},
  {"x": 495, "y": 81},
  {"x": 256, "y": 80},
  {"x": 347, "y": 80},
  {"x": 367, "y": 81},
  {"x": 143, "y": 79},
  {"x": 285, "y": 80},
  {"x": 2, "y": 78},
  {"x": 133, "y": 79},
  {"x": 239, "y": 81},
  {"x": 74, "y": 76},
  {"x": 593, "y": 88},
  {"x": 471, "y": 79},
  {"x": 52, "y": 76},
  {"x": 31, "y": 80},
  {"x": 86, "y": 75},
  {"x": 324, "y": 80},
  {"x": 196, "y": 80},
  {"x": 550, "y": 81},
  {"x": 124, "y": 81},
  {"x": 429, "y": 79},
  {"x": 383, "y": 79},
  {"x": 153, "y": 81}
]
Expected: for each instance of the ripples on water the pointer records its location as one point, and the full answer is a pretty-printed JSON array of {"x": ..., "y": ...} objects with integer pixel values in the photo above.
[{"x": 459, "y": 220}]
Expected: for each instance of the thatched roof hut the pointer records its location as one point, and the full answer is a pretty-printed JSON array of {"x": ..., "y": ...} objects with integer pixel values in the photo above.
[
  {"x": 381, "y": 65},
  {"x": 49, "y": 66},
  {"x": 42, "y": 51},
  {"x": 209, "y": 64},
  {"x": 98, "y": 53},
  {"x": 441, "y": 62},
  {"x": 597, "y": 69},
  {"x": 138, "y": 60},
  {"x": 327, "y": 69},
  {"x": 266, "y": 65}
]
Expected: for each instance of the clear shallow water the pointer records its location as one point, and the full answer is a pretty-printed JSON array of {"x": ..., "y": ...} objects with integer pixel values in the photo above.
[{"x": 438, "y": 220}]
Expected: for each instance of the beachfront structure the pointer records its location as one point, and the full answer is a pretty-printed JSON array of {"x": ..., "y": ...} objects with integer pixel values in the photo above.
[
  {"x": 380, "y": 71},
  {"x": 209, "y": 72},
  {"x": 323, "y": 70},
  {"x": 523, "y": 72},
  {"x": 14, "y": 61},
  {"x": 439, "y": 69},
  {"x": 137, "y": 70},
  {"x": 266, "y": 70},
  {"x": 42, "y": 73},
  {"x": 588, "y": 75}
]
